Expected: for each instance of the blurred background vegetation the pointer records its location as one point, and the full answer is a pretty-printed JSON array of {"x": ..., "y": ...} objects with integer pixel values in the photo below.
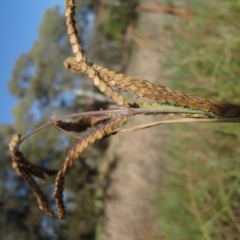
[{"x": 199, "y": 197}]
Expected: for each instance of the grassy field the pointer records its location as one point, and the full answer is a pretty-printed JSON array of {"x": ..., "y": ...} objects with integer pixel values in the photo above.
[{"x": 200, "y": 198}]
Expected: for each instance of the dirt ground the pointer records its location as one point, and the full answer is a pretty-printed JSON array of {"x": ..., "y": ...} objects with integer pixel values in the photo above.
[{"x": 137, "y": 179}]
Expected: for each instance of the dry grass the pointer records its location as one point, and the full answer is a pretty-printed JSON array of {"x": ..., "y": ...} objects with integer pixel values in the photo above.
[{"x": 107, "y": 81}]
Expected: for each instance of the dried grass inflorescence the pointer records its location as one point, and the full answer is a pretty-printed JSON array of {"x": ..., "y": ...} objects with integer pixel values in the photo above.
[
  {"x": 104, "y": 131},
  {"x": 164, "y": 95},
  {"x": 84, "y": 66},
  {"x": 106, "y": 123},
  {"x": 27, "y": 170}
]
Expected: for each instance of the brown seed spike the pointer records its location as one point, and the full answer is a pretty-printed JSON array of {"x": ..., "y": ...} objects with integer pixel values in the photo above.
[
  {"x": 26, "y": 170},
  {"x": 73, "y": 65},
  {"x": 103, "y": 131},
  {"x": 58, "y": 195},
  {"x": 72, "y": 30}
]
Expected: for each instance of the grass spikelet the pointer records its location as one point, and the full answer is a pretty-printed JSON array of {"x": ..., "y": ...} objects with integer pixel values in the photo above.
[
  {"x": 88, "y": 69},
  {"x": 106, "y": 79},
  {"x": 72, "y": 30},
  {"x": 144, "y": 88},
  {"x": 84, "y": 65},
  {"x": 104, "y": 131},
  {"x": 26, "y": 170},
  {"x": 82, "y": 124}
]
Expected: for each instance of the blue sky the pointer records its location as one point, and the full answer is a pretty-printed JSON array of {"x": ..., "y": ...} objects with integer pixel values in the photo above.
[{"x": 19, "y": 23}]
